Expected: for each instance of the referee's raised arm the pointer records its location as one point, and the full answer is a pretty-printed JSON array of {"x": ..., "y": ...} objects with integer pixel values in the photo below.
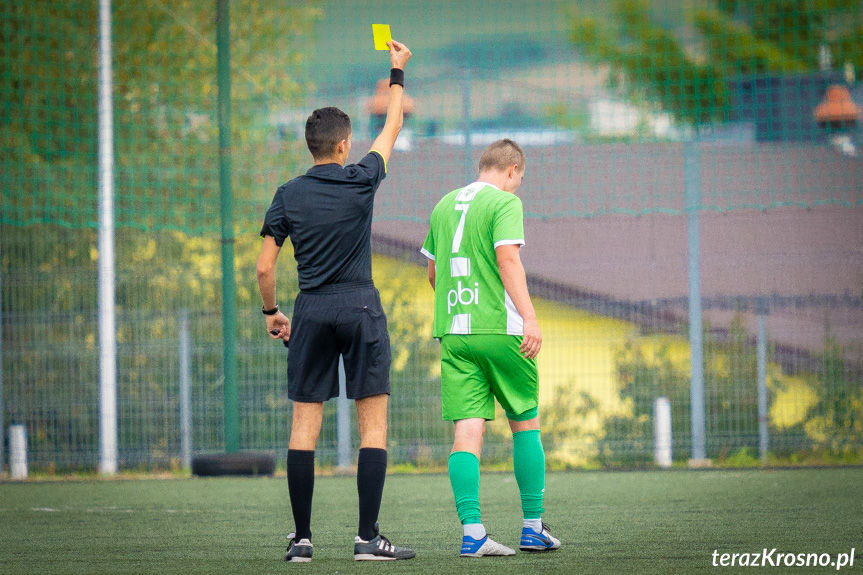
[{"x": 383, "y": 144}]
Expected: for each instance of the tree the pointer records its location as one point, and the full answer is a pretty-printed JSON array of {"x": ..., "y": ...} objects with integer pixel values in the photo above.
[
  {"x": 739, "y": 37},
  {"x": 166, "y": 151},
  {"x": 164, "y": 63},
  {"x": 651, "y": 63},
  {"x": 731, "y": 388},
  {"x": 646, "y": 371},
  {"x": 835, "y": 423},
  {"x": 797, "y": 29}
]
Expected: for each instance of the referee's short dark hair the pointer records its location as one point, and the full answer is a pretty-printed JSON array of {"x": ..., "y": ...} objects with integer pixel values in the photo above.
[
  {"x": 325, "y": 128},
  {"x": 500, "y": 155}
]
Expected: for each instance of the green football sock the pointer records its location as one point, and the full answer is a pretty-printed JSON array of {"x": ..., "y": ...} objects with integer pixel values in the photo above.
[
  {"x": 529, "y": 463},
  {"x": 464, "y": 477}
]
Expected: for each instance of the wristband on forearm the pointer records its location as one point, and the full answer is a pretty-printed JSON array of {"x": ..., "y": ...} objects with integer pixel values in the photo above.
[{"x": 397, "y": 76}]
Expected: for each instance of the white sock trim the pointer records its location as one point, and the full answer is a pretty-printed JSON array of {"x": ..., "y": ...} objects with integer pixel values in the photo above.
[
  {"x": 535, "y": 524},
  {"x": 474, "y": 530}
]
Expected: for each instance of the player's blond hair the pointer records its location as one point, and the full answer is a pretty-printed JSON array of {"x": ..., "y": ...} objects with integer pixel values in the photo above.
[{"x": 500, "y": 155}]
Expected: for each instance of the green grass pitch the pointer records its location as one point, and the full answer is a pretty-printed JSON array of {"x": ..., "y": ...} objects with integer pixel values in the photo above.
[{"x": 609, "y": 522}]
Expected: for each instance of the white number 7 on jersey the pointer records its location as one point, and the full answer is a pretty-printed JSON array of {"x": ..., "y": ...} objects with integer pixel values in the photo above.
[{"x": 459, "y": 232}]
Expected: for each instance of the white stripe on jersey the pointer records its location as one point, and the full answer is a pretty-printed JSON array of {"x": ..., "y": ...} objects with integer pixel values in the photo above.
[
  {"x": 508, "y": 243},
  {"x": 514, "y": 321},
  {"x": 459, "y": 267},
  {"x": 460, "y": 324}
]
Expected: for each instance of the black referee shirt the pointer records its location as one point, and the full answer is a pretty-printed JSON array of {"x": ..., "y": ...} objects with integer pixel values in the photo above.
[{"x": 327, "y": 212}]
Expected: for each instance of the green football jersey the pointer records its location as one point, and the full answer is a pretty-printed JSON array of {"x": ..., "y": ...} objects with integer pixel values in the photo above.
[{"x": 466, "y": 227}]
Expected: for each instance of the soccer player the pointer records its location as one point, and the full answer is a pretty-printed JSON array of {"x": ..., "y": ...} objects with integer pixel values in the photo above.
[
  {"x": 489, "y": 341},
  {"x": 327, "y": 213}
]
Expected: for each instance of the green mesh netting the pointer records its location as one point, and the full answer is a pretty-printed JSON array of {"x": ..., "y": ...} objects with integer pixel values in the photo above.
[{"x": 609, "y": 99}]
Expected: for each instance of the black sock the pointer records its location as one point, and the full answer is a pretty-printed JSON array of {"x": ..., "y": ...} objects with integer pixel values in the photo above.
[
  {"x": 301, "y": 487},
  {"x": 371, "y": 473}
]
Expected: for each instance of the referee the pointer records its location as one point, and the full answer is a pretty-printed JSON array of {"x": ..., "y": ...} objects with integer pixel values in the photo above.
[{"x": 327, "y": 214}]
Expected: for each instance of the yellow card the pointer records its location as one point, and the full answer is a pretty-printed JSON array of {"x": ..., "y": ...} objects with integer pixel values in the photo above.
[{"x": 382, "y": 35}]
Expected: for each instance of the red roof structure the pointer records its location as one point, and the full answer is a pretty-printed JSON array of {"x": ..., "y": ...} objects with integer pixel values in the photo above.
[{"x": 837, "y": 108}]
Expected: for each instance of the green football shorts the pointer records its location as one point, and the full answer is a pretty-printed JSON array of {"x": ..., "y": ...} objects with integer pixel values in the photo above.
[{"x": 476, "y": 369}]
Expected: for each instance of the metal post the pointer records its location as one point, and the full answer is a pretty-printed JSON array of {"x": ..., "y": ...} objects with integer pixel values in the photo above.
[
  {"x": 107, "y": 319},
  {"x": 358, "y": 119},
  {"x": 662, "y": 431},
  {"x": 18, "y": 452},
  {"x": 467, "y": 121},
  {"x": 229, "y": 297},
  {"x": 763, "y": 418},
  {"x": 343, "y": 420},
  {"x": 2, "y": 405},
  {"x": 185, "y": 390},
  {"x": 692, "y": 185}
]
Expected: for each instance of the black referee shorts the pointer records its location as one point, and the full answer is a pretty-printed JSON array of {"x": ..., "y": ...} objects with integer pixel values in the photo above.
[{"x": 333, "y": 321}]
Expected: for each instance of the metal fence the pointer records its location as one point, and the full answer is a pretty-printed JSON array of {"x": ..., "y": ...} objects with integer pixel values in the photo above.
[{"x": 667, "y": 142}]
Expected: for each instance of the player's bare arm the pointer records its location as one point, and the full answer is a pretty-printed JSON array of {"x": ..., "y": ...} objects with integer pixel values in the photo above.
[
  {"x": 515, "y": 282},
  {"x": 399, "y": 56},
  {"x": 278, "y": 325},
  {"x": 432, "y": 272}
]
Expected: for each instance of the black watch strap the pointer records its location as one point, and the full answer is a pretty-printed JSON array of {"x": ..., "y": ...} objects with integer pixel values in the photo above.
[{"x": 273, "y": 311}]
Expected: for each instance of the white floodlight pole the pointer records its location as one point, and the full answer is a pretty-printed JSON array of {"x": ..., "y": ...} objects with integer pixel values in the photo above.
[{"x": 107, "y": 331}]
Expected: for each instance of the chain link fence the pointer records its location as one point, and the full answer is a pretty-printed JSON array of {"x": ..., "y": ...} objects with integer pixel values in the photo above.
[{"x": 608, "y": 99}]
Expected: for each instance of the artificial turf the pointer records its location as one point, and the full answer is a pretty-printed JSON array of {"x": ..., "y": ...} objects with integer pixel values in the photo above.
[{"x": 609, "y": 522}]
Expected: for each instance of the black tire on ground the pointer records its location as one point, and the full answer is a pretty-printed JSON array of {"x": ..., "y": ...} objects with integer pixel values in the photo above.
[{"x": 243, "y": 463}]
